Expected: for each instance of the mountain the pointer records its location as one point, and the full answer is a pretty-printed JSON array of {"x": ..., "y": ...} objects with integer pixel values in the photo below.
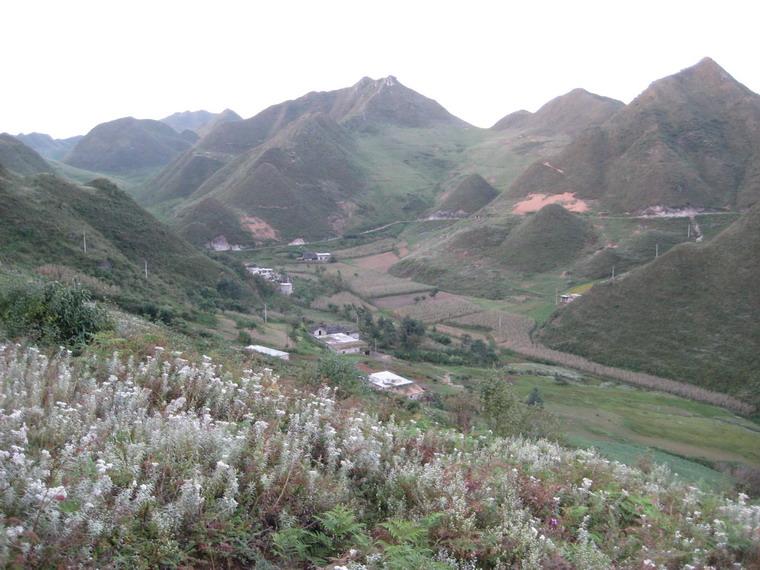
[
  {"x": 19, "y": 158},
  {"x": 47, "y": 146},
  {"x": 314, "y": 165},
  {"x": 691, "y": 139},
  {"x": 691, "y": 314},
  {"x": 467, "y": 195},
  {"x": 45, "y": 220},
  {"x": 570, "y": 114},
  {"x": 199, "y": 121},
  {"x": 127, "y": 145},
  {"x": 368, "y": 102}
]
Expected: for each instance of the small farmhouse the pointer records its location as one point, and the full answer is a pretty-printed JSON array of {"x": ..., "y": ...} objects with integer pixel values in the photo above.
[
  {"x": 316, "y": 257},
  {"x": 265, "y": 350},
  {"x": 391, "y": 382},
  {"x": 341, "y": 343},
  {"x": 298, "y": 241},
  {"x": 567, "y": 299},
  {"x": 265, "y": 272},
  {"x": 323, "y": 329},
  {"x": 220, "y": 243},
  {"x": 285, "y": 287},
  {"x": 283, "y": 282}
]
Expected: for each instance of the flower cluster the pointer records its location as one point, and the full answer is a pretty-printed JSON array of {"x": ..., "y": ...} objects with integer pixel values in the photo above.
[{"x": 165, "y": 461}]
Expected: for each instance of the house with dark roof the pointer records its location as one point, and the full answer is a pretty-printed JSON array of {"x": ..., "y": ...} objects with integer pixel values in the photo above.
[{"x": 323, "y": 329}]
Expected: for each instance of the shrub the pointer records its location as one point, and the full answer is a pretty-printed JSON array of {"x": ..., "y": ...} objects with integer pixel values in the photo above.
[{"x": 52, "y": 313}]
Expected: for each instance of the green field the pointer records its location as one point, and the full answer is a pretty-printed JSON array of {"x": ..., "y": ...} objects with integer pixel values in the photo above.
[{"x": 629, "y": 425}]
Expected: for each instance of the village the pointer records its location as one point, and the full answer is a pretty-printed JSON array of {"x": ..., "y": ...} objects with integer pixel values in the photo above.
[
  {"x": 282, "y": 281},
  {"x": 342, "y": 340}
]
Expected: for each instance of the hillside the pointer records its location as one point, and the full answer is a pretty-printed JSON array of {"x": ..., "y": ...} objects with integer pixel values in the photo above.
[
  {"x": 468, "y": 194},
  {"x": 199, "y": 121},
  {"x": 494, "y": 259},
  {"x": 551, "y": 238},
  {"x": 44, "y": 222},
  {"x": 298, "y": 182},
  {"x": 691, "y": 139},
  {"x": 47, "y": 146},
  {"x": 126, "y": 145},
  {"x": 19, "y": 158},
  {"x": 570, "y": 114},
  {"x": 691, "y": 314}
]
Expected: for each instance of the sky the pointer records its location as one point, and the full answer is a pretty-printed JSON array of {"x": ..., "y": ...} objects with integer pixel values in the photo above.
[{"x": 69, "y": 65}]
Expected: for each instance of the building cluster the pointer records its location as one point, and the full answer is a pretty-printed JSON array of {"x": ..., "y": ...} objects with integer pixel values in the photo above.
[
  {"x": 342, "y": 340},
  {"x": 284, "y": 285}
]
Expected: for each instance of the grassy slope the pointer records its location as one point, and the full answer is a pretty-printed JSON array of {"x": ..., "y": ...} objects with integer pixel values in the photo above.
[
  {"x": 44, "y": 218},
  {"x": 691, "y": 314},
  {"x": 19, "y": 158}
]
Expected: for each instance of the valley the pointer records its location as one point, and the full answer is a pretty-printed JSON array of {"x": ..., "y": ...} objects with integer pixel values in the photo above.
[
  {"x": 611, "y": 409},
  {"x": 355, "y": 331}
]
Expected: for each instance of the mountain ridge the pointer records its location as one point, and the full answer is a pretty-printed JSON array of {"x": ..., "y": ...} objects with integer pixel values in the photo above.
[{"x": 689, "y": 139}]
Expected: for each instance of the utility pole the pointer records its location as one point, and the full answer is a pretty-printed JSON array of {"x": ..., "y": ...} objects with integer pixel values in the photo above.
[
  {"x": 499, "y": 325},
  {"x": 265, "y": 313},
  {"x": 613, "y": 273},
  {"x": 556, "y": 296},
  {"x": 84, "y": 241},
  {"x": 146, "y": 268},
  {"x": 656, "y": 250},
  {"x": 688, "y": 231}
]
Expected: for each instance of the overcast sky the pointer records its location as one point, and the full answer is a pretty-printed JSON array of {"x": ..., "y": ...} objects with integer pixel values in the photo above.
[{"x": 68, "y": 65}]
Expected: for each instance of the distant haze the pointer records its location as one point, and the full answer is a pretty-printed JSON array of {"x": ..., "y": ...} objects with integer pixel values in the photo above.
[{"x": 68, "y": 66}]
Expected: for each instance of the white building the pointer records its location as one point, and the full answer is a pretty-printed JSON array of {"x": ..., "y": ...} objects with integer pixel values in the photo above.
[
  {"x": 316, "y": 256},
  {"x": 566, "y": 299},
  {"x": 265, "y": 272},
  {"x": 391, "y": 382},
  {"x": 341, "y": 343},
  {"x": 286, "y": 287},
  {"x": 265, "y": 350}
]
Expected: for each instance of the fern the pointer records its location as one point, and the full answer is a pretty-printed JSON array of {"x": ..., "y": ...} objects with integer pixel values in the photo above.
[{"x": 339, "y": 530}]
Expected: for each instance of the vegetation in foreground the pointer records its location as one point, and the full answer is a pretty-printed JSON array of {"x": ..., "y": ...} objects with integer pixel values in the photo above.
[{"x": 168, "y": 462}]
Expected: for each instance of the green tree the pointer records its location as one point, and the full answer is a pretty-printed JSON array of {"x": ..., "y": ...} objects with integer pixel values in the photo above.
[
  {"x": 412, "y": 333},
  {"x": 338, "y": 372},
  {"x": 500, "y": 406},
  {"x": 534, "y": 398}
]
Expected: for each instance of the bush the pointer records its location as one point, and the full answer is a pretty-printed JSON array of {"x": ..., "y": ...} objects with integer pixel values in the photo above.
[{"x": 53, "y": 313}]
